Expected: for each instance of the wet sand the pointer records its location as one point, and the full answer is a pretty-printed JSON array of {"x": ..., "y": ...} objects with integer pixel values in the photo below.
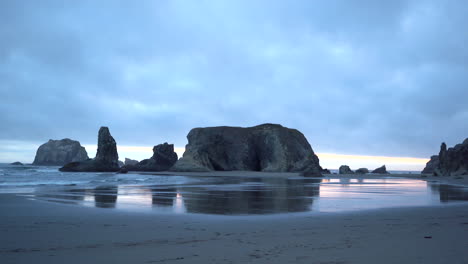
[{"x": 41, "y": 232}]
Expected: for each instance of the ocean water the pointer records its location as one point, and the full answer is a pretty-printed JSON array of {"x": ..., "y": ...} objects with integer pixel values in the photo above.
[{"x": 223, "y": 195}]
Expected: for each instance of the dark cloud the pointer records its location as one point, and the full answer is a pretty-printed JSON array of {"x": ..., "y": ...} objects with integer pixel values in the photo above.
[{"x": 357, "y": 77}]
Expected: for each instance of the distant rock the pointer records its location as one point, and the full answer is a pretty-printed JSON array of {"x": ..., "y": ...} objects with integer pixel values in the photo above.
[
  {"x": 17, "y": 163},
  {"x": 453, "y": 161},
  {"x": 326, "y": 171},
  {"x": 60, "y": 152},
  {"x": 121, "y": 164},
  {"x": 163, "y": 158},
  {"x": 106, "y": 158},
  {"x": 362, "y": 171},
  {"x": 267, "y": 147},
  {"x": 431, "y": 165},
  {"x": 381, "y": 170},
  {"x": 130, "y": 162},
  {"x": 344, "y": 169}
]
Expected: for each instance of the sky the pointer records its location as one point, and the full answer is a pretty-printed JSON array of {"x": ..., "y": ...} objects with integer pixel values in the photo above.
[{"x": 358, "y": 78}]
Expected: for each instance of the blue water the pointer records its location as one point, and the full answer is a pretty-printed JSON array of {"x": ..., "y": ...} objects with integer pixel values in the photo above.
[{"x": 223, "y": 195}]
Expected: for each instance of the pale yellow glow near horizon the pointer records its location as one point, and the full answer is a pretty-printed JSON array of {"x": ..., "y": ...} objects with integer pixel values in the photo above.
[{"x": 406, "y": 160}]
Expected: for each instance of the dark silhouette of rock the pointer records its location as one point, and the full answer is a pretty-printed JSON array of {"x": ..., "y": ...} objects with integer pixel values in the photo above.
[
  {"x": 326, "y": 171},
  {"x": 381, "y": 170},
  {"x": 17, "y": 163},
  {"x": 60, "y": 152},
  {"x": 431, "y": 165},
  {"x": 130, "y": 162},
  {"x": 344, "y": 169},
  {"x": 123, "y": 170},
  {"x": 121, "y": 164},
  {"x": 163, "y": 158},
  {"x": 453, "y": 161},
  {"x": 267, "y": 147},
  {"x": 362, "y": 171},
  {"x": 106, "y": 158}
]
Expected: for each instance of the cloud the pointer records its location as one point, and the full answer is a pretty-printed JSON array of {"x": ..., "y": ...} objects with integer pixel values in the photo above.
[{"x": 356, "y": 77}]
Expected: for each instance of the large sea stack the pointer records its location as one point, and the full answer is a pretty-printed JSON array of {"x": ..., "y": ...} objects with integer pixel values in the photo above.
[
  {"x": 106, "y": 157},
  {"x": 163, "y": 158},
  {"x": 452, "y": 161},
  {"x": 267, "y": 147},
  {"x": 60, "y": 152},
  {"x": 431, "y": 165}
]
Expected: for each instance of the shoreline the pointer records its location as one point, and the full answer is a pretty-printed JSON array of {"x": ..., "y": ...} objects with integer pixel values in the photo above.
[{"x": 451, "y": 180}]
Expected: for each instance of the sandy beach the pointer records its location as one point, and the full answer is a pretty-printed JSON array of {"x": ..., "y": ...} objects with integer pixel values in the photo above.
[{"x": 40, "y": 232}]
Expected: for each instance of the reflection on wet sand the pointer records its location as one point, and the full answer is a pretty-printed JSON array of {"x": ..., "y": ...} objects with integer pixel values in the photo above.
[
  {"x": 163, "y": 196},
  {"x": 105, "y": 196},
  {"x": 450, "y": 192},
  {"x": 242, "y": 196}
]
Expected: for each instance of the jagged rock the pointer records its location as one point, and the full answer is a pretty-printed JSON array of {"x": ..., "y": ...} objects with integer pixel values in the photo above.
[
  {"x": 381, "y": 170},
  {"x": 121, "y": 164},
  {"x": 106, "y": 158},
  {"x": 453, "y": 161},
  {"x": 431, "y": 165},
  {"x": 130, "y": 162},
  {"x": 17, "y": 163},
  {"x": 362, "y": 171},
  {"x": 326, "y": 171},
  {"x": 163, "y": 158},
  {"x": 266, "y": 147},
  {"x": 344, "y": 169},
  {"x": 60, "y": 152}
]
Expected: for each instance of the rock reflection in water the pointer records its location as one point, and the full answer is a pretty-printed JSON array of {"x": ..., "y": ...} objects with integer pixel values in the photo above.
[
  {"x": 449, "y": 193},
  {"x": 252, "y": 196},
  {"x": 105, "y": 196},
  {"x": 163, "y": 196}
]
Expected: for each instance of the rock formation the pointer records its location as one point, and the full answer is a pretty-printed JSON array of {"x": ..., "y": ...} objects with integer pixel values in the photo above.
[
  {"x": 381, "y": 170},
  {"x": 267, "y": 147},
  {"x": 106, "y": 157},
  {"x": 344, "y": 169},
  {"x": 453, "y": 161},
  {"x": 431, "y": 165},
  {"x": 17, "y": 163},
  {"x": 60, "y": 152},
  {"x": 163, "y": 158},
  {"x": 362, "y": 171},
  {"x": 130, "y": 162},
  {"x": 121, "y": 163}
]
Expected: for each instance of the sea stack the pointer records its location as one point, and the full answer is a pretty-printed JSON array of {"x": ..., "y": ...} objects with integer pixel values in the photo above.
[
  {"x": 381, "y": 170},
  {"x": 60, "y": 152},
  {"x": 431, "y": 165},
  {"x": 163, "y": 158},
  {"x": 267, "y": 147},
  {"x": 106, "y": 157},
  {"x": 452, "y": 161},
  {"x": 344, "y": 169}
]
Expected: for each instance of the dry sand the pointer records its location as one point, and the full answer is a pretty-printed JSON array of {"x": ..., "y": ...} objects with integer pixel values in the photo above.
[{"x": 41, "y": 232}]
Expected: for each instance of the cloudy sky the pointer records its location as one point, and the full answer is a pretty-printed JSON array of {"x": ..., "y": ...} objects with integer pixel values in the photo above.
[{"x": 361, "y": 78}]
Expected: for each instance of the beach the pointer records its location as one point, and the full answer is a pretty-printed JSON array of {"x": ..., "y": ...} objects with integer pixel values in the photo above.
[{"x": 43, "y": 232}]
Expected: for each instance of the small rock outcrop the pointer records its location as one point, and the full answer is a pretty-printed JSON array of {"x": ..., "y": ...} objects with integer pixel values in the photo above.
[
  {"x": 163, "y": 158},
  {"x": 362, "y": 171},
  {"x": 267, "y": 147},
  {"x": 431, "y": 165},
  {"x": 381, "y": 170},
  {"x": 106, "y": 158},
  {"x": 60, "y": 152},
  {"x": 121, "y": 163},
  {"x": 453, "y": 161},
  {"x": 344, "y": 169},
  {"x": 326, "y": 171},
  {"x": 17, "y": 163},
  {"x": 130, "y": 162}
]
